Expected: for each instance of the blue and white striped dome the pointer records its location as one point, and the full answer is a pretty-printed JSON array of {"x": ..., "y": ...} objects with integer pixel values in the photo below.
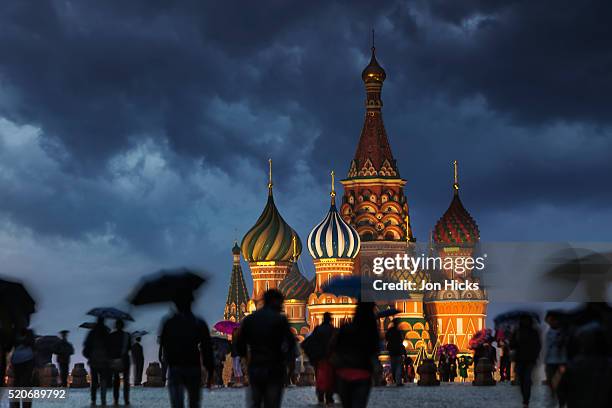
[{"x": 333, "y": 238}]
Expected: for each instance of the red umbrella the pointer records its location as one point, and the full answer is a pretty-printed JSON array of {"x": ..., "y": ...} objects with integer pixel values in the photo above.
[{"x": 226, "y": 326}]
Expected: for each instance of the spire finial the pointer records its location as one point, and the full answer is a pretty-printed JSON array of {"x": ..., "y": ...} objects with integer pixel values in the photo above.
[
  {"x": 373, "y": 43},
  {"x": 270, "y": 176},
  {"x": 456, "y": 177},
  {"x": 333, "y": 187}
]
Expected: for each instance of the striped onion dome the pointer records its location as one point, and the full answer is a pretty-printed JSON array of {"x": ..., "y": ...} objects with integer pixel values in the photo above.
[
  {"x": 456, "y": 225},
  {"x": 295, "y": 285},
  {"x": 271, "y": 238},
  {"x": 333, "y": 238}
]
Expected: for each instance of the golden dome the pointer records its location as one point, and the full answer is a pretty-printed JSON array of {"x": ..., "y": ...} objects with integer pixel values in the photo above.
[
  {"x": 271, "y": 238},
  {"x": 373, "y": 72}
]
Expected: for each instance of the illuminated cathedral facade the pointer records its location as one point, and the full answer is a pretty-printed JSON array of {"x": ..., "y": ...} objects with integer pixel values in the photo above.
[{"x": 371, "y": 219}]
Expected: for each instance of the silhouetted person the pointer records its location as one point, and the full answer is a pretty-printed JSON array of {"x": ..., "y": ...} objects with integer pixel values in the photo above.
[
  {"x": 587, "y": 377},
  {"x": 317, "y": 348},
  {"x": 96, "y": 351},
  {"x": 409, "y": 372},
  {"x": 396, "y": 350},
  {"x": 6, "y": 344},
  {"x": 504, "y": 361},
  {"x": 355, "y": 353},
  {"x": 186, "y": 344},
  {"x": 63, "y": 352},
  {"x": 527, "y": 345},
  {"x": 138, "y": 360},
  {"x": 452, "y": 368},
  {"x": 22, "y": 361},
  {"x": 443, "y": 367},
  {"x": 162, "y": 360},
  {"x": 119, "y": 348},
  {"x": 266, "y": 336},
  {"x": 236, "y": 360},
  {"x": 555, "y": 357}
]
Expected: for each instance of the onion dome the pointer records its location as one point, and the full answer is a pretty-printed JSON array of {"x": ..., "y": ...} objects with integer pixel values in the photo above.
[
  {"x": 373, "y": 72},
  {"x": 456, "y": 225},
  {"x": 333, "y": 237},
  {"x": 295, "y": 286},
  {"x": 271, "y": 238}
]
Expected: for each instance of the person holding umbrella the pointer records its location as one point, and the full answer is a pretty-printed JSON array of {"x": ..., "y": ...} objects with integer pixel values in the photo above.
[
  {"x": 185, "y": 339},
  {"x": 63, "y": 351},
  {"x": 96, "y": 351},
  {"x": 187, "y": 346}
]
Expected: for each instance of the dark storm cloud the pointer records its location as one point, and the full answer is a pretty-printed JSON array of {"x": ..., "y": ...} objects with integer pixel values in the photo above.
[{"x": 222, "y": 82}]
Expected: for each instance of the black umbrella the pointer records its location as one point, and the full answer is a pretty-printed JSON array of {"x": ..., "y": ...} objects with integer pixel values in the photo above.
[
  {"x": 15, "y": 298},
  {"x": 139, "y": 333},
  {"x": 166, "y": 286},
  {"x": 87, "y": 325},
  {"x": 109, "y": 313},
  {"x": 47, "y": 344}
]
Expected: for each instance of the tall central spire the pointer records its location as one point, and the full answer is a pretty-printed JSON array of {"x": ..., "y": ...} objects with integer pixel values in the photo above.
[
  {"x": 374, "y": 202},
  {"x": 373, "y": 157}
]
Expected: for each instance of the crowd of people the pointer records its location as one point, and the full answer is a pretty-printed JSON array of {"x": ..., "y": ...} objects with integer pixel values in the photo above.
[{"x": 345, "y": 359}]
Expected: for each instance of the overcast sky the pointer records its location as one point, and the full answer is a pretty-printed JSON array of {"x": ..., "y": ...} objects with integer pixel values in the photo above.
[{"x": 135, "y": 135}]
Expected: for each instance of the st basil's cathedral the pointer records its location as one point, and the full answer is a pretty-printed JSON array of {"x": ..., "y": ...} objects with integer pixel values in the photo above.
[{"x": 371, "y": 219}]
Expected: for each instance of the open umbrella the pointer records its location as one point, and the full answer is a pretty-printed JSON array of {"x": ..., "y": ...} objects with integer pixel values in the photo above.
[
  {"x": 226, "y": 326},
  {"x": 87, "y": 325},
  {"x": 166, "y": 286},
  {"x": 110, "y": 313},
  {"x": 450, "y": 349},
  {"x": 47, "y": 344},
  {"x": 139, "y": 333},
  {"x": 507, "y": 322},
  {"x": 481, "y": 337},
  {"x": 15, "y": 299}
]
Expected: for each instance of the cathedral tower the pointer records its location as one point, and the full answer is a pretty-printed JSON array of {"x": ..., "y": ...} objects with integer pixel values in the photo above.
[
  {"x": 455, "y": 315},
  {"x": 237, "y": 296},
  {"x": 333, "y": 244},
  {"x": 374, "y": 203},
  {"x": 270, "y": 247}
]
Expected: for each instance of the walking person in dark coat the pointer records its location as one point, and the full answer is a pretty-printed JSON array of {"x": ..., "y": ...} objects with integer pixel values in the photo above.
[
  {"x": 504, "y": 361},
  {"x": 354, "y": 355},
  {"x": 137, "y": 360},
  {"x": 526, "y": 344},
  {"x": 585, "y": 381},
  {"x": 22, "y": 361},
  {"x": 317, "y": 348},
  {"x": 96, "y": 351},
  {"x": 186, "y": 344},
  {"x": 162, "y": 361},
  {"x": 266, "y": 337},
  {"x": 63, "y": 352},
  {"x": 119, "y": 347},
  {"x": 396, "y": 350}
]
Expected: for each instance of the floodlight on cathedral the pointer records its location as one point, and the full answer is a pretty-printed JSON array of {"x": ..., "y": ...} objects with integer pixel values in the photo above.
[
  {"x": 269, "y": 247},
  {"x": 455, "y": 315},
  {"x": 333, "y": 245}
]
